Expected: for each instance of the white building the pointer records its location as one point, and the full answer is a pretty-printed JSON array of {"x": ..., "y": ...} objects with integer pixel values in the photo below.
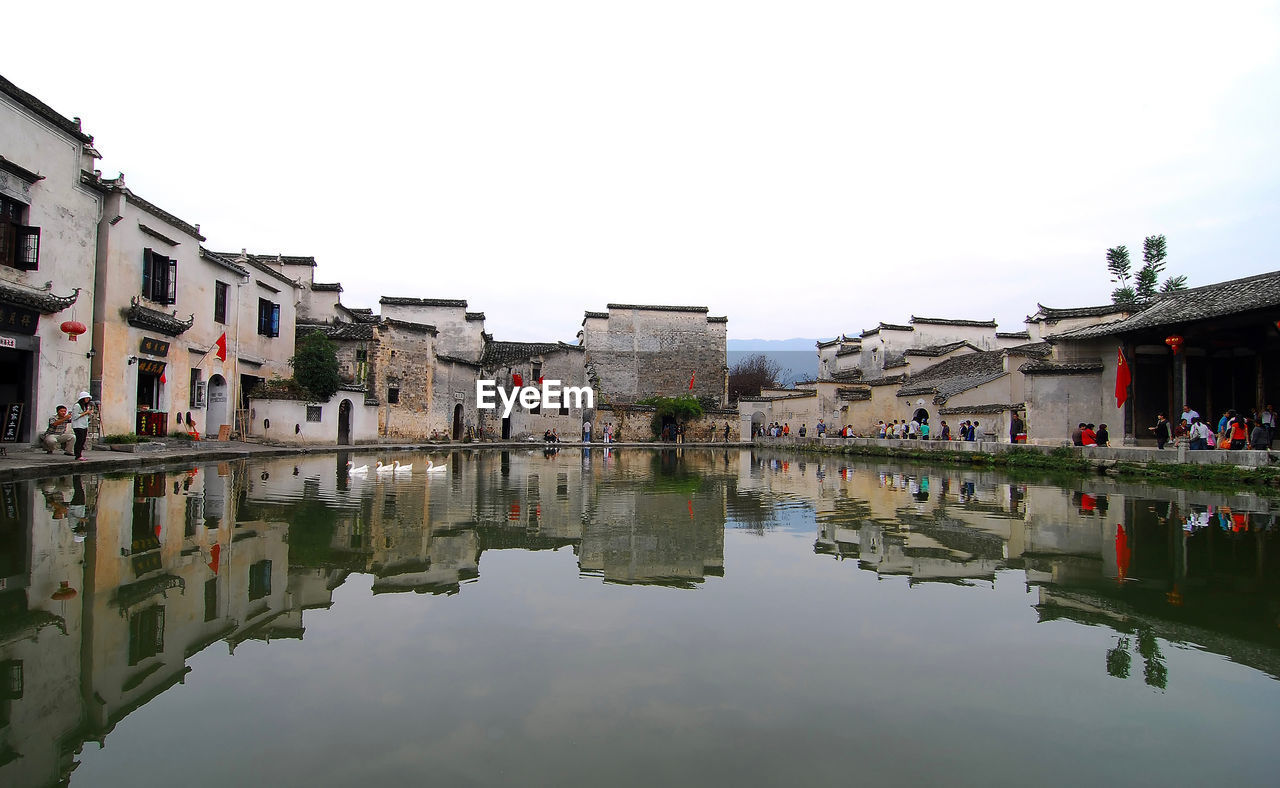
[{"x": 48, "y": 220}]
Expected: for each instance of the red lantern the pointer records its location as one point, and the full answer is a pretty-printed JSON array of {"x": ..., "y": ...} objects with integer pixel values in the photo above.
[
  {"x": 64, "y": 592},
  {"x": 73, "y": 328},
  {"x": 1174, "y": 342}
]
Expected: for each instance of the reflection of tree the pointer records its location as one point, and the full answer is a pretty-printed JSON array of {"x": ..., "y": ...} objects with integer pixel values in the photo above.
[
  {"x": 1119, "y": 659},
  {"x": 1154, "y": 672}
]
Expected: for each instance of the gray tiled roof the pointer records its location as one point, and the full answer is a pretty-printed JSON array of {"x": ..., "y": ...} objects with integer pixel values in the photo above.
[
  {"x": 41, "y": 301},
  {"x": 939, "y": 350},
  {"x": 659, "y": 307},
  {"x": 1030, "y": 349},
  {"x": 956, "y": 374},
  {"x": 1042, "y": 367},
  {"x": 886, "y": 326},
  {"x": 847, "y": 375},
  {"x": 941, "y": 321},
  {"x": 1013, "y": 334},
  {"x": 140, "y": 316},
  {"x": 326, "y": 287},
  {"x": 853, "y": 394},
  {"x": 498, "y": 354},
  {"x": 1051, "y": 315},
  {"x": 848, "y": 350},
  {"x": 341, "y": 332},
  {"x": 42, "y": 109},
  {"x": 1237, "y": 296},
  {"x": 396, "y": 301},
  {"x": 979, "y": 409}
]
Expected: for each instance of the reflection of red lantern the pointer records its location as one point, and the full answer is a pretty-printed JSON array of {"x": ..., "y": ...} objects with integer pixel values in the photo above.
[
  {"x": 73, "y": 328},
  {"x": 1174, "y": 342},
  {"x": 64, "y": 592}
]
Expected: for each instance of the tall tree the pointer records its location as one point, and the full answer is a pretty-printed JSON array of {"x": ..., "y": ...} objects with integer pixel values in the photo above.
[
  {"x": 1154, "y": 252},
  {"x": 315, "y": 365},
  {"x": 1146, "y": 282},
  {"x": 1118, "y": 265},
  {"x": 751, "y": 374}
]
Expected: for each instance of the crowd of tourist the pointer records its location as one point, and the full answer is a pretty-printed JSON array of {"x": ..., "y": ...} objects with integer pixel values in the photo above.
[{"x": 1233, "y": 430}]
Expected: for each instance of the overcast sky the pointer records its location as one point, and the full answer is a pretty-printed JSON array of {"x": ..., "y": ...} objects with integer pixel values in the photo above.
[{"x": 805, "y": 168}]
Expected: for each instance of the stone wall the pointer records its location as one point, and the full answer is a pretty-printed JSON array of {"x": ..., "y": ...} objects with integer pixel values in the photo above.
[
  {"x": 635, "y": 424},
  {"x": 640, "y": 352},
  {"x": 401, "y": 368}
]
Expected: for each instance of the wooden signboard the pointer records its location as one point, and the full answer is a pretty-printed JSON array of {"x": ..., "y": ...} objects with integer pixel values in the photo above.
[
  {"x": 154, "y": 347},
  {"x": 11, "y": 422}
]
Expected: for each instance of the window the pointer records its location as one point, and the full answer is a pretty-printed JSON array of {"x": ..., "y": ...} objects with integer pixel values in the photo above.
[
  {"x": 362, "y": 364},
  {"x": 211, "y": 599},
  {"x": 19, "y": 244},
  {"x": 393, "y": 396},
  {"x": 146, "y": 634},
  {"x": 220, "y": 290},
  {"x": 313, "y": 413},
  {"x": 259, "y": 580},
  {"x": 197, "y": 388},
  {"x": 159, "y": 277},
  {"x": 268, "y": 318}
]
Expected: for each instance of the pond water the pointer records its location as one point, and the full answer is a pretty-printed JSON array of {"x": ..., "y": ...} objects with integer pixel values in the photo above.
[{"x": 632, "y": 617}]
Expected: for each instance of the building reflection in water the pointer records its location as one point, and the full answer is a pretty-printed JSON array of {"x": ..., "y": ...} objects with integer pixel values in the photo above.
[{"x": 108, "y": 586}]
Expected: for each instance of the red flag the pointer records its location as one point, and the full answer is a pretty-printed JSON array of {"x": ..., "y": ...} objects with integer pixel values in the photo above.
[
  {"x": 1123, "y": 377},
  {"x": 221, "y": 345},
  {"x": 516, "y": 380},
  {"x": 691, "y": 377},
  {"x": 162, "y": 377},
  {"x": 215, "y": 552}
]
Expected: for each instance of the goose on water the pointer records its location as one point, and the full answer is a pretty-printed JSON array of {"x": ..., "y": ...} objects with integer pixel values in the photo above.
[
  {"x": 433, "y": 468},
  {"x": 398, "y": 468},
  {"x": 384, "y": 469},
  {"x": 361, "y": 469}
]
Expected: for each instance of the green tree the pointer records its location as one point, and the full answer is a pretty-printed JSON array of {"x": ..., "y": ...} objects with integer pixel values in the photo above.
[
  {"x": 678, "y": 409},
  {"x": 315, "y": 365},
  {"x": 1146, "y": 282},
  {"x": 1119, "y": 266}
]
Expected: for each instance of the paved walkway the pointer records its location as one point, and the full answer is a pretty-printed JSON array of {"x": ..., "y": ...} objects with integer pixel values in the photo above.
[{"x": 22, "y": 461}]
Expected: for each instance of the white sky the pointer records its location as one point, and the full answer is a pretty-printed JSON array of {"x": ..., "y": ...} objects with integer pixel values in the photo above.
[{"x": 805, "y": 168}]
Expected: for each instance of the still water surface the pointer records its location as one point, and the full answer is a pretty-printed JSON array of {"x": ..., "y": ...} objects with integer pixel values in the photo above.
[{"x": 634, "y": 617}]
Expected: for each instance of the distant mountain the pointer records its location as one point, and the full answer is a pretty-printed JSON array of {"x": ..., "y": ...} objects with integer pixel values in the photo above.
[{"x": 773, "y": 344}]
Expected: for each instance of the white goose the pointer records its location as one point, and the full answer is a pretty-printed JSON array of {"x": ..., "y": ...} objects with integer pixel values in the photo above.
[
  {"x": 433, "y": 468},
  {"x": 398, "y": 468},
  {"x": 383, "y": 470},
  {"x": 363, "y": 469}
]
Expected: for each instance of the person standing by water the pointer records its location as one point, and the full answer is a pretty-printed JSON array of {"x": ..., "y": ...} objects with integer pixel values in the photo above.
[
  {"x": 1016, "y": 429},
  {"x": 80, "y": 422},
  {"x": 1161, "y": 429}
]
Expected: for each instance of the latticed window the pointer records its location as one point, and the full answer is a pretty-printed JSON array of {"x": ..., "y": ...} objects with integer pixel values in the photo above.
[{"x": 19, "y": 244}]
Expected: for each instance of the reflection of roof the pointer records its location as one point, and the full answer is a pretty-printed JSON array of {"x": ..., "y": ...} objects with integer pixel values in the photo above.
[
  {"x": 1188, "y": 306},
  {"x": 942, "y": 321},
  {"x": 955, "y": 374}
]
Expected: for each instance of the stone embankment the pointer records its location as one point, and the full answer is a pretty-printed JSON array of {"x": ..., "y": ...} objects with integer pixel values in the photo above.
[{"x": 1175, "y": 463}]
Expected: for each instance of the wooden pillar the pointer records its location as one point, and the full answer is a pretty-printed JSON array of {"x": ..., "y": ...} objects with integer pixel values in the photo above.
[
  {"x": 1129, "y": 428},
  {"x": 1260, "y": 390}
]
